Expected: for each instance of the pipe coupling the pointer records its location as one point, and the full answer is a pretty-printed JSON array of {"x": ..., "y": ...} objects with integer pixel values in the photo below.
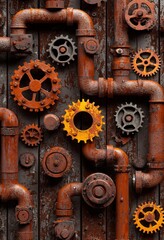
[
  {"x": 23, "y": 215},
  {"x": 64, "y": 230}
]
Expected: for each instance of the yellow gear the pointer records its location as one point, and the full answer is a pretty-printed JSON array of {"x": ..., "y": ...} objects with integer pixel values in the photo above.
[
  {"x": 149, "y": 217},
  {"x": 89, "y": 133}
]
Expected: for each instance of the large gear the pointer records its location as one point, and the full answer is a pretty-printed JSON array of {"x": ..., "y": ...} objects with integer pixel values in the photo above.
[
  {"x": 149, "y": 217},
  {"x": 32, "y": 135},
  {"x": 140, "y": 14},
  {"x": 129, "y": 118},
  {"x": 146, "y": 63},
  {"x": 35, "y": 86},
  {"x": 92, "y": 112},
  {"x": 62, "y": 50}
]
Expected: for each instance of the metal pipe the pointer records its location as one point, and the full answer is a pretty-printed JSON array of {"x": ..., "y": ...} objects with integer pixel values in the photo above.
[
  {"x": 64, "y": 201},
  {"x": 120, "y": 159},
  {"x": 10, "y": 188}
]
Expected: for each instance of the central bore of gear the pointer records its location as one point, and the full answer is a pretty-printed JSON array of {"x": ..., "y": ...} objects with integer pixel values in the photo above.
[
  {"x": 149, "y": 217},
  {"x": 139, "y": 13},
  {"x": 98, "y": 191},
  {"x": 129, "y": 118},
  {"x": 35, "y": 86},
  {"x": 62, "y": 49}
]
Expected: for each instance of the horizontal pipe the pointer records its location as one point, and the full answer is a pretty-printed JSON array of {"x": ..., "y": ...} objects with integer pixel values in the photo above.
[{"x": 69, "y": 16}]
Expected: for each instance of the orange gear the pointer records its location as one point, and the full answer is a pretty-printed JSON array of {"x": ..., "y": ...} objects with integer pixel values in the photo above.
[
  {"x": 146, "y": 63},
  {"x": 32, "y": 135},
  {"x": 92, "y": 113},
  {"x": 149, "y": 217},
  {"x": 35, "y": 86}
]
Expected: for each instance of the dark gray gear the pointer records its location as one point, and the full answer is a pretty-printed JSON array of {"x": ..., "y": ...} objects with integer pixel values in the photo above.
[
  {"x": 62, "y": 50},
  {"x": 129, "y": 118}
]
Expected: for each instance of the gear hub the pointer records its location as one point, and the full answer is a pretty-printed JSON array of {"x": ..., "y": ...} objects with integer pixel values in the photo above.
[
  {"x": 140, "y": 14},
  {"x": 149, "y": 217},
  {"x": 35, "y": 86},
  {"x": 32, "y": 135},
  {"x": 146, "y": 63},
  {"x": 83, "y": 111},
  {"x": 62, "y": 50},
  {"x": 98, "y": 190},
  {"x": 129, "y": 118},
  {"x": 56, "y": 162}
]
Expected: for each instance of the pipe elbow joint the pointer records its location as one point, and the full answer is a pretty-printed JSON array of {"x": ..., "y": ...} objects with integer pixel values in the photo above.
[
  {"x": 22, "y": 194},
  {"x": 150, "y": 179},
  {"x": 20, "y": 19},
  {"x": 93, "y": 154},
  {"x": 8, "y": 118},
  {"x": 121, "y": 157}
]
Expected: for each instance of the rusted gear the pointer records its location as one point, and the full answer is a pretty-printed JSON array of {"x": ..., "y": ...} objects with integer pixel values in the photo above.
[
  {"x": 35, "y": 86},
  {"x": 32, "y": 135},
  {"x": 140, "y": 14},
  {"x": 57, "y": 162},
  {"x": 99, "y": 190},
  {"x": 98, "y": 2},
  {"x": 146, "y": 63},
  {"x": 91, "y": 113},
  {"x": 62, "y": 50},
  {"x": 129, "y": 118},
  {"x": 149, "y": 217}
]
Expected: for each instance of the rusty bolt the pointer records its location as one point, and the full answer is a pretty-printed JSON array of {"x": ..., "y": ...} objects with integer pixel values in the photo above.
[
  {"x": 51, "y": 122},
  {"x": 119, "y": 51},
  {"x": 91, "y": 46},
  {"x": 49, "y": 70},
  {"x": 64, "y": 233},
  {"x": 23, "y": 215},
  {"x": 27, "y": 160}
]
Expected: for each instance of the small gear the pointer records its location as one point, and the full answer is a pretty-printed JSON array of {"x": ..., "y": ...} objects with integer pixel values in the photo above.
[
  {"x": 91, "y": 113},
  {"x": 146, "y": 63},
  {"x": 129, "y": 118},
  {"x": 149, "y": 217},
  {"x": 140, "y": 15},
  {"x": 62, "y": 50},
  {"x": 32, "y": 135},
  {"x": 35, "y": 86}
]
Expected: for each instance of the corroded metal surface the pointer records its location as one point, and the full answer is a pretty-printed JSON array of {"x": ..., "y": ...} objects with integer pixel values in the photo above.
[{"x": 34, "y": 178}]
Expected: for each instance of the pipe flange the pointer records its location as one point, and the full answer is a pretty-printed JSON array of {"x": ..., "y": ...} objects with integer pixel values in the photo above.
[
  {"x": 87, "y": 111},
  {"x": 64, "y": 230},
  {"x": 91, "y": 45},
  {"x": 21, "y": 44},
  {"x": 99, "y": 190},
  {"x": 56, "y": 162},
  {"x": 23, "y": 214}
]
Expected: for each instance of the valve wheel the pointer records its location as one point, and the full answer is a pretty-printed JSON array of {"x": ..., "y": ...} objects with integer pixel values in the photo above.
[
  {"x": 91, "y": 112},
  {"x": 140, "y": 14},
  {"x": 32, "y": 135},
  {"x": 35, "y": 86},
  {"x": 62, "y": 50},
  {"x": 146, "y": 63},
  {"x": 148, "y": 217},
  {"x": 129, "y": 118},
  {"x": 98, "y": 190}
]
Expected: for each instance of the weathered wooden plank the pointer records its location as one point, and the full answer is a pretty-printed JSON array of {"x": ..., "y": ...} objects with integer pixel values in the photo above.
[
  {"x": 27, "y": 177},
  {"x": 69, "y": 93}
]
